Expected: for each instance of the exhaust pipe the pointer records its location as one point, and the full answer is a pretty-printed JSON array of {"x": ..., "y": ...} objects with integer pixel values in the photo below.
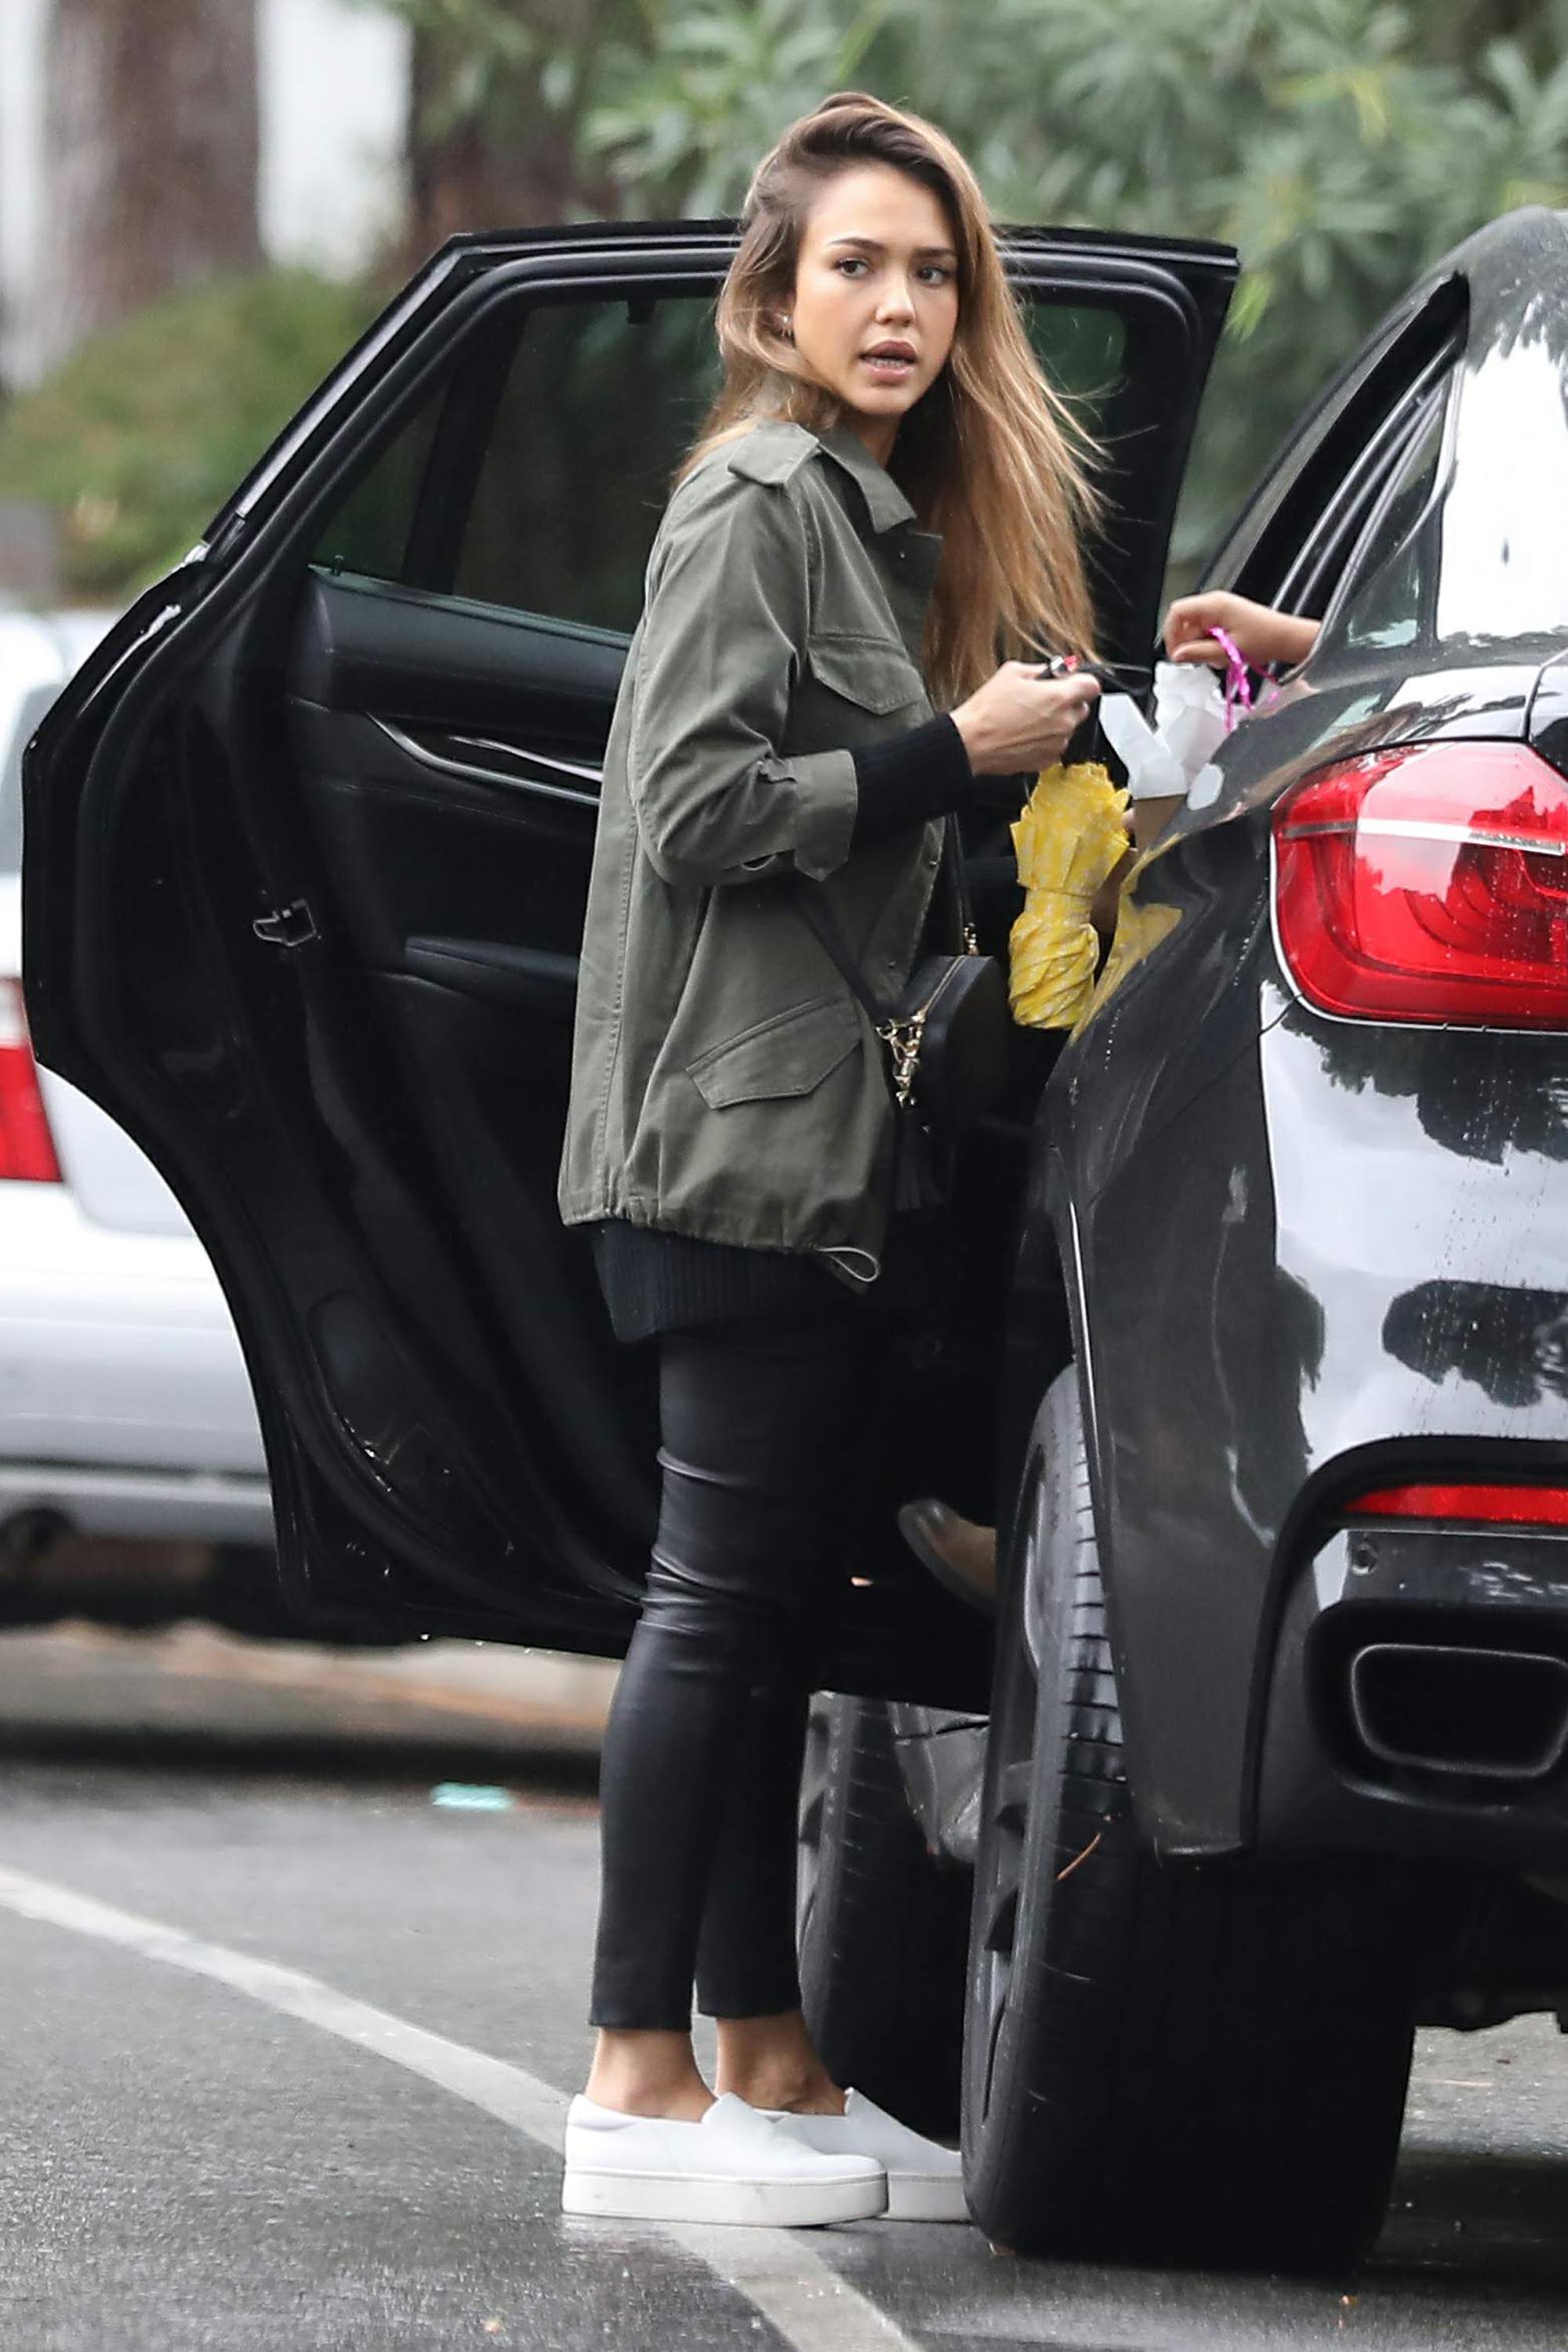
[{"x": 1474, "y": 1714}]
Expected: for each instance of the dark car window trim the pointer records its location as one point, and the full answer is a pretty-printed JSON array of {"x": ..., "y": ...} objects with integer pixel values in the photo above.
[
  {"x": 1264, "y": 545},
  {"x": 607, "y": 248},
  {"x": 1330, "y": 552},
  {"x": 456, "y": 461},
  {"x": 1440, "y": 401},
  {"x": 313, "y": 454}
]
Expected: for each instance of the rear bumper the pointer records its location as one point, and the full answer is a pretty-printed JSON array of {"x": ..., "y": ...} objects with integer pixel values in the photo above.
[
  {"x": 124, "y": 1402},
  {"x": 1342, "y": 1265},
  {"x": 1477, "y": 1768}
]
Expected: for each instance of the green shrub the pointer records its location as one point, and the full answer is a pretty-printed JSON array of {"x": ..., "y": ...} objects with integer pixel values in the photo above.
[{"x": 140, "y": 436}]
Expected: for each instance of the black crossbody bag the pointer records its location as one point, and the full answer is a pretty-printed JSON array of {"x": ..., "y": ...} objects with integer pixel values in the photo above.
[{"x": 945, "y": 1036}]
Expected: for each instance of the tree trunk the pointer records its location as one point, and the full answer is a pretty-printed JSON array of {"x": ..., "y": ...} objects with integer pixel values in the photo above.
[
  {"x": 509, "y": 163},
  {"x": 150, "y": 156}
]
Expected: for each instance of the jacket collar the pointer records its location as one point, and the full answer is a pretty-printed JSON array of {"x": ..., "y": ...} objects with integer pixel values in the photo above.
[
  {"x": 772, "y": 450},
  {"x": 885, "y": 502}
]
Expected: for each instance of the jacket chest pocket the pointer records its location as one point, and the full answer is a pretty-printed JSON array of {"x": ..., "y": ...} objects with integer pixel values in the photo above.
[{"x": 874, "y": 672}]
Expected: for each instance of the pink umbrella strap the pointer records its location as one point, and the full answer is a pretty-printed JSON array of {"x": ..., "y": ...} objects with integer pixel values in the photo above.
[{"x": 1237, "y": 679}]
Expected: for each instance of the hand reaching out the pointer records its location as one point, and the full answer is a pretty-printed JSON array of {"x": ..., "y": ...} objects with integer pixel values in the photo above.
[{"x": 1262, "y": 634}]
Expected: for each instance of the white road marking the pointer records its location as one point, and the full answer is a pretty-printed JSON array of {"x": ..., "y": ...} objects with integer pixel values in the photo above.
[
  {"x": 777, "y": 2271},
  {"x": 801, "y": 2295}
]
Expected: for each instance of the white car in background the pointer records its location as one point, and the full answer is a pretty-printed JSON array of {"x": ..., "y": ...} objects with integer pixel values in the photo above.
[{"x": 125, "y": 1410}]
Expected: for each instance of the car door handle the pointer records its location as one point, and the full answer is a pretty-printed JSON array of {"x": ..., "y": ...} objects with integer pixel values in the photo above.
[{"x": 479, "y": 759}]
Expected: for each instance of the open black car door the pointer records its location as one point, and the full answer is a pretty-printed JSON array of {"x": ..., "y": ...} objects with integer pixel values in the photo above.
[{"x": 307, "y": 844}]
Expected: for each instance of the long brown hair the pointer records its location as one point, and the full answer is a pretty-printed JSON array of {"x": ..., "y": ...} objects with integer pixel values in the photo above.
[{"x": 990, "y": 455}]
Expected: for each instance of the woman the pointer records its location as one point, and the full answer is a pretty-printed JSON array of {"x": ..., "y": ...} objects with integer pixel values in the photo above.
[{"x": 885, "y": 498}]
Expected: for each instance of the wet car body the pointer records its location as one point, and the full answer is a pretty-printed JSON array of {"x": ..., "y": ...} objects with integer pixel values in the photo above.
[{"x": 1368, "y": 1288}]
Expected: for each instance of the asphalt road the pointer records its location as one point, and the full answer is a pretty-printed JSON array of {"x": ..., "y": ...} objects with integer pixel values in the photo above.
[{"x": 286, "y": 2044}]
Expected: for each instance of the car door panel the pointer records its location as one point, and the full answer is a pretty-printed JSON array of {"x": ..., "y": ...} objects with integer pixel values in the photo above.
[
  {"x": 444, "y": 854},
  {"x": 410, "y": 655},
  {"x": 322, "y": 843},
  {"x": 433, "y": 832}
]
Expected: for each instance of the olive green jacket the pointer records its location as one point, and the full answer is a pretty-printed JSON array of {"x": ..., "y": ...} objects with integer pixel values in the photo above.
[{"x": 725, "y": 1082}]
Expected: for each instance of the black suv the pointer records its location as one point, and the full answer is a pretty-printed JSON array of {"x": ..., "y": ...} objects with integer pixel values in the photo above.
[{"x": 1256, "y": 1340}]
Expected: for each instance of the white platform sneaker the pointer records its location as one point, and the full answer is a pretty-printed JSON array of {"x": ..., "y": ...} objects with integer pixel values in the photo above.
[
  {"x": 736, "y": 2165},
  {"x": 925, "y": 2180}
]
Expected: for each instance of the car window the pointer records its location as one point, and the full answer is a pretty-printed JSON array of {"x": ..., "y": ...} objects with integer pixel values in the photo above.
[
  {"x": 1082, "y": 347},
  {"x": 369, "y": 530},
  {"x": 1322, "y": 569},
  {"x": 536, "y": 477},
  {"x": 1386, "y": 595},
  {"x": 598, "y": 403},
  {"x": 29, "y": 714}
]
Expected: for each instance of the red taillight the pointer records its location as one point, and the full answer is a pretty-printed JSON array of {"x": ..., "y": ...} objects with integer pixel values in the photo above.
[
  {"x": 1429, "y": 883},
  {"x": 1537, "y": 1507},
  {"x": 26, "y": 1148}
]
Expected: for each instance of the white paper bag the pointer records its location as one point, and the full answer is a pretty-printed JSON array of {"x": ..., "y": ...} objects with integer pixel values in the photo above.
[
  {"x": 1167, "y": 760},
  {"x": 1189, "y": 714}
]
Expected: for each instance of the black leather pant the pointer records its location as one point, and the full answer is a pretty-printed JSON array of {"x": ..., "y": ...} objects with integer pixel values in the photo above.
[{"x": 761, "y": 1426}]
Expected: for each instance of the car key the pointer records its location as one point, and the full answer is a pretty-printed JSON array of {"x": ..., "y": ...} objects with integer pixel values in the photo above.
[{"x": 1116, "y": 677}]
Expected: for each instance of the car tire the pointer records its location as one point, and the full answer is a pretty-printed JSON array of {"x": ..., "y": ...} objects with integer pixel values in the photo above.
[
  {"x": 884, "y": 1925},
  {"x": 1181, "y": 2063}
]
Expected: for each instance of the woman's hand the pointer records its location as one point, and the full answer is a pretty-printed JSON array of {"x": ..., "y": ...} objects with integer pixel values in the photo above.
[
  {"x": 1019, "y": 719},
  {"x": 1261, "y": 634}
]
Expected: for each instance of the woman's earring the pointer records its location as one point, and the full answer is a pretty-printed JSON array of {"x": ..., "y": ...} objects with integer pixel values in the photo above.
[{"x": 787, "y": 329}]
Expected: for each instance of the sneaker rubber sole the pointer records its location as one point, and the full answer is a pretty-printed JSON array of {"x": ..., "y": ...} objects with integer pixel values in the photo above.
[{"x": 690, "y": 2196}]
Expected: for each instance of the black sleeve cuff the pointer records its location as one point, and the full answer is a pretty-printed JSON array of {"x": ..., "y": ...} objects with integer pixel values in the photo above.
[{"x": 905, "y": 779}]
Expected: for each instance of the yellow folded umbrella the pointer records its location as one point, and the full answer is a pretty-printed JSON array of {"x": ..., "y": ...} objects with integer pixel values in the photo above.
[{"x": 1071, "y": 834}]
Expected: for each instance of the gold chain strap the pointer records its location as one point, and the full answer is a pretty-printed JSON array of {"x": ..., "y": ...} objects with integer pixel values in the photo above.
[{"x": 902, "y": 1039}]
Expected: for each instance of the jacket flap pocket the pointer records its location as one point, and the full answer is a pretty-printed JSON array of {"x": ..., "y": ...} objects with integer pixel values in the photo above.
[
  {"x": 872, "y": 671},
  {"x": 788, "y": 1054}
]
